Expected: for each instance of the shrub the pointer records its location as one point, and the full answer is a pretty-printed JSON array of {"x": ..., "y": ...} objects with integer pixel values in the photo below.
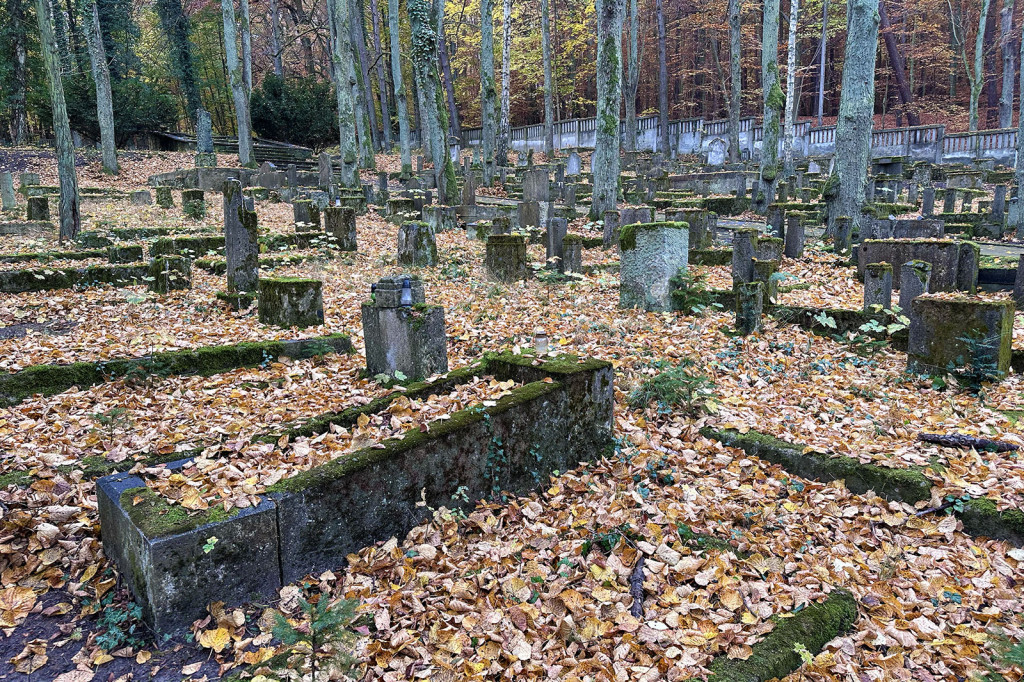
[
  {"x": 681, "y": 387},
  {"x": 297, "y": 110}
]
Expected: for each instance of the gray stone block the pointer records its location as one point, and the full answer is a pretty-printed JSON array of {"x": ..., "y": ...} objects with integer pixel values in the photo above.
[
  {"x": 651, "y": 254},
  {"x": 939, "y": 328},
  {"x": 291, "y": 302}
]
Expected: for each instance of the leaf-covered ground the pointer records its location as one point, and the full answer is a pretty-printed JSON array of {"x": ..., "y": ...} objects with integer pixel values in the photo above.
[{"x": 537, "y": 588}]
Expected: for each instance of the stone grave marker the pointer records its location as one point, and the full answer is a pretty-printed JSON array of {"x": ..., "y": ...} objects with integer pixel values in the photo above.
[
  {"x": 402, "y": 334},
  {"x": 291, "y": 302}
]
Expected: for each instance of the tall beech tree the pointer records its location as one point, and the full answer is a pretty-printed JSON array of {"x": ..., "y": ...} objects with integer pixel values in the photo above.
[
  {"x": 433, "y": 114},
  {"x": 549, "y": 109},
  {"x": 488, "y": 93},
  {"x": 238, "y": 93},
  {"x": 605, "y": 160},
  {"x": 735, "y": 77},
  {"x": 774, "y": 100},
  {"x": 401, "y": 112},
  {"x": 790, "y": 131},
  {"x": 104, "y": 97},
  {"x": 505, "y": 128},
  {"x": 341, "y": 59},
  {"x": 632, "y": 74},
  {"x": 663, "y": 137}
]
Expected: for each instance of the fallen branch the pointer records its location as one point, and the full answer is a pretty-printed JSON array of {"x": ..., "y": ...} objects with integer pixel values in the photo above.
[
  {"x": 958, "y": 440},
  {"x": 636, "y": 588}
]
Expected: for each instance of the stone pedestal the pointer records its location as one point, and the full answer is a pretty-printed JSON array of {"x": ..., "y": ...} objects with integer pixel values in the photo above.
[
  {"x": 960, "y": 333},
  {"x": 744, "y": 249},
  {"x": 140, "y": 197},
  {"x": 416, "y": 244},
  {"x": 409, "y": 339},
  {"x": 168, "y": 273},
  {"x": 915, "y": 276},
  {"x": 749, "y": 307},
  {"x": 794, "y": 247},
  {"x": 401, "y": 208},
  {"x": 572, "y": 254},
  {"x": 651, "y": 254},
  {"x": 505, "y": 260},
  {"x": 877, "y": 287},
  {"x": 164, "y": 197},
  {"x": 10, "y": 200},
  {"x": 306, "y": 212},
  {"x": 241, "y": 241},
  {"x": 341, "y": 227},
  {"x": 38, "y": 208},
  {"x": 193, "y": 203},
  {"x": 770, "y": 248},
  {"x": 291, "y": 302}
]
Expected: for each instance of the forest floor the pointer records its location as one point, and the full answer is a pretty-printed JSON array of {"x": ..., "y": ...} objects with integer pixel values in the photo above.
[{"x": 538, "y": 587}]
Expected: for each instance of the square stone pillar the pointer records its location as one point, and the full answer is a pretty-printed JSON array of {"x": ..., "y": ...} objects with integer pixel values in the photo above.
[{"x": 404, "y": 337}]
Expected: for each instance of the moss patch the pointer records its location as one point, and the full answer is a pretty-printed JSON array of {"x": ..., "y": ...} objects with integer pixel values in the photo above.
[
  {"x": 627, "y": 234},
  {"x": 155, "y": 517}
]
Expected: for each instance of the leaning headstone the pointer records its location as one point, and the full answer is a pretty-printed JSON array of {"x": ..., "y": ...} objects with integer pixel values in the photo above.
[
  {"x": 241, "y": 241},
  {"x": 749, "y": 307},
  {"x": 553, "y": 242},
  {"x": 193, "y": 203},
  {"x": 140, "y": 197},
  {"x": 38, "y": 208},
  {"x": 960, "y": 332},
  {"x": 611, "y": 228},
  {"x": 505, "y": 260},
  {"x": 877, "y": 287},
  {"x": 416, "y": 244},
  {"x": 794, "y": 236},
  {"x": 572, "y": 254},
  {"x": 325, "y": 176},
  {"x": 402, "y": 335},
  {"x": 574, "y": 164},
  {"x": 168, "y": 273},
  {"x": 928, "y": 201},
  {"x": 164, "y": 197},
  {"x": 914, "y": 279},
  {"x": 744, "y": 250},
  {"x": 340, "y": 223},
  {"x": 205, "y": 158},
  {"x": 536, "y": 186},
  {"x": 306, "y": 212},
  {"x": 291, "y": 302},
  {"x": 1018, "y": 285},
  {"x": 10, "y": 199},
  {"x": 651, "y": 254}
]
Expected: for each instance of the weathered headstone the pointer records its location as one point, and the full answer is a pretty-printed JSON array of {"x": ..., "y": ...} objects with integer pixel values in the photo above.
[
  {"x": 536, "y": 186},
  {"x": 292, "y": 175},
  {"x": 960, "y": 332},
  {"x": 193, "y": 203},
  {"x": 769, "y": 249},
  {"x": 763, "y": 273},
  {"x": 843, "y": 235},
  {"x": 912, "y": 193},
  {"x": 291, "y": 302},
  {"x": 925, "y": 228},
  {"x": 574, "y": 164},
  {"x": 340, "y": 224},
  {"x": 741, "y": 186},
  {"x": 877, "y": 287},
  {"x": 325, "y": 174},
  {"x": 717, "y": 151},
  {"x": 140, "y": 197},
  {"x": 403, "y": 336},
  {"x": 948, "y": 200},
  {"x": 28, "y": 179},
  {"x": 1018, "y": 284},
  {"x": 164, "y": 197},
  {"x": 776, "y": 219},
  {"x": 241, "y": 241},
  {"x": 38, "y": 208},
  {"x": 915, "y": 276},
  {"x": 205, "y": 157},
  {"x": 744, "y": 250},
  {"x": 749, "y": 306},
  {"x": 794, "y": 236},
  {"x": 305, "y": 212},
  {"x": 553, "y": 242},
  {"x": 505, "y": 259},
  {"x": 469, "y": 187},
  {"x": 416, "y": 244},
  {"x": 528, "y": 214},
  {"x": 611, "y": 228},
  {"x": 10, "y": 199},
  {"x": 999, "y": 207},
  {"x": 441, "y": 218},
  {"x": 119, "y": 255},
  {"x": 635, "y": 215},
  {"x": 168, "y": 273},
  {"x": 572, "y": 254},
  {"x": 651, "y": 254},
  {"x": 928, "y": 201}
]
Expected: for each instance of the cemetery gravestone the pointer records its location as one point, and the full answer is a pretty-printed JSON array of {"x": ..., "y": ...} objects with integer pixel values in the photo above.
[
  {"x": 611, "y": 228},
  {"x": 554, "y": 241},
  {"x": 574, "y": 164},
  {"x": 241, "y": 241},
  {"x": 9, "y": 198},
  {"x": 205, "y": 157},
  {"x": 915, "y": 276},
  {"x": 193, "y": 203},
  {"x": 717, "y": 151},
  {"x": 341, "y": 227},
  {"x": 291, "y": 302},
  {"x": 402, "y": 334},
  {"x": 794, "y": 237},
  {"x": 141, "y": 198},
  {"x": 572, "y": 254},
  {"x": 38, "y": 208},
  {"x": 749, "y": 307},
  {"x": 651, "y": 254},
  {"x": 416, "y": 244},
  {"x": 960, "y": 332},
  {"x": 164, "y": 197},
  {"x": 877, "y": 287},
  {"x": 744, "y": 250},
  {"x": 505, "y": 259},
  {"x": 168, "y": 273}
]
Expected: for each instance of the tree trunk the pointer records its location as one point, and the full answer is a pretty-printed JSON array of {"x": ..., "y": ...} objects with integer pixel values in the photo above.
[
  {"x": 505, "y": 131},
  {"x": 175, "y": 25},
  {"x": 400, "y": 100},
  {"x": 19, "y": 120},
  {"x": 1017, "y": 207},
  {"x": 605, "y": 160},
  {"x": 991, "y": 96},
  {"x": 104, "y": 99},
  {"x": 735, "y": 52},
  {"x": 856, "y": 109},
  {"x": 787, "y": 145},
  {"x": 1009, "y": 66},
  {"x": 549, "y": 110},
  {"x": 364, "y": 93},
  {"x": 70, "y": 219},
  {"x": 455, "y": 127},
  {"x": 423, "y": 19},
  {"x": 246, "y": 35},
  {"x": 821, "y": 63},
  {"x": 663, "y": 137},
  {"x": 488, "y": 94},
  {"x": 341, "y": 58},
  {"x": 898, "y": 70},
  {"x": 275, "y": 39},
  {"x": 774, "y": 100},
  {"x": 382, "y": 82},
  {"x": 633, "y": 75},
  {"x": 979, "y": 62},
  {"x": 238, "y": 93}
]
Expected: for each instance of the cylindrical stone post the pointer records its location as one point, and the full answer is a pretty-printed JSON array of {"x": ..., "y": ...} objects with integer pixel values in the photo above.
[
  {"x": 915, "y": 276},
  {"x": 794, "y": 247},
  {"x": 9, "y": 198},
  {"x": 877, "y": 287},
  {"x": 744, "y": 248},
  {"x": 749, "y": 307},
  {"x": 505, "y": 260},
  {"x": 241, "y": 241},
  {"x": 193, "y": 203},
  {"x": 416, "y": 244},
  {"x": 340, "y": 223},
  {"x": 38, "y": 208},
  {"x": 928, "y": 201},
  {"x": 611, "y": 228},
  {"x": 164, "y": 197}
]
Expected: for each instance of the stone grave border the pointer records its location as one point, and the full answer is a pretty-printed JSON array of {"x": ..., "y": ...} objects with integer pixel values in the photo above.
[
  {"x": 561, "y": 416},
  {"x": 52, "y": 255},
  {"x": 51, "y": 379},
  {"x": 46, "y": 279}
]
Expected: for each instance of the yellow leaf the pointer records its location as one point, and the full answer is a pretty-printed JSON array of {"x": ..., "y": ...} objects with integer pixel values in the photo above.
[
  {"x": 193, "y": 500},
  {"x": 215, "y": 639}
]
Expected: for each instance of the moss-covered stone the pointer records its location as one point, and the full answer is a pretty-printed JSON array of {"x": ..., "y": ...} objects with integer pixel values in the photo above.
[
  {"x": 193, "y": 203},
  {"x": 291, "y": 302},
  {"x": 191, "y": 247},
  {"x": 124, "y": 254},
  {"x": 164, "y": 197},
  {"x": 169, "y": 273},
  {"x": 156, "y": 517}
]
